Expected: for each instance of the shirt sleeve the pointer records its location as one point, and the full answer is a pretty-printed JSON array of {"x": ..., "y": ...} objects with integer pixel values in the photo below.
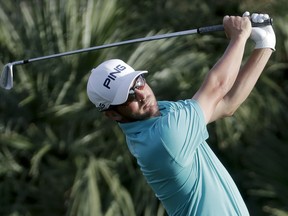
[{"x": 182, "y": 130}]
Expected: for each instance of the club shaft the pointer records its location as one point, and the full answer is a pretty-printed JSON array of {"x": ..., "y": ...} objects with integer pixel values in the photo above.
[
  {"x": 200, "y": 30},
  {"x": 6, "y": 78},
  {"x": 138, "y": 40}
]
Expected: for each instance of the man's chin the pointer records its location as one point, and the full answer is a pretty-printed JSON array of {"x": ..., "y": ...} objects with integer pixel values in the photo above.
[{"x": 152, "y": 110}]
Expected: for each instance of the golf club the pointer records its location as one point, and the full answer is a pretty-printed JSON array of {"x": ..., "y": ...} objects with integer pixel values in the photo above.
[{"x": 6, "y": 79}]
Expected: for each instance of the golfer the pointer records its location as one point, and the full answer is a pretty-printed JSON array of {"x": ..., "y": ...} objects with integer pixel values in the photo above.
[{"x": 168, "y": 139}]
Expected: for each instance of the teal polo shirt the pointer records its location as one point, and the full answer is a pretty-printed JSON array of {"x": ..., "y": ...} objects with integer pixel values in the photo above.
[{"x": 178, "y": 164}]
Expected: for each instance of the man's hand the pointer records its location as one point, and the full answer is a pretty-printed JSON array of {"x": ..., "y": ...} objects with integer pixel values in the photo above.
[
  {"x": 237, "y": 27},
  {"x": 264, "y": 37}
]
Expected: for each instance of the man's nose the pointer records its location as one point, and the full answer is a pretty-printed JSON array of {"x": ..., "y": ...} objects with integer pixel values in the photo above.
[{"x": 140, "y": 95}]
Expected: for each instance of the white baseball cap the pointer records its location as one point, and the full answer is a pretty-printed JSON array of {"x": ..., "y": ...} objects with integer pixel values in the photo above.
[{"x": 110, "y": 82}]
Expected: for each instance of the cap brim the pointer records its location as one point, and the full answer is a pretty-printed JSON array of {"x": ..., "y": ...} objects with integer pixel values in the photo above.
[{"x": 123, "y": 90}]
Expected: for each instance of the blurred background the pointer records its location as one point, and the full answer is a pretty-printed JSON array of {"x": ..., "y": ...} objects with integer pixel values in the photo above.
[{"x": 60, "y": 156}]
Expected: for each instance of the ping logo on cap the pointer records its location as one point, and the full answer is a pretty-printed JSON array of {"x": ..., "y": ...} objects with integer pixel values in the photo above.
[{"x": 111, "y": 77}]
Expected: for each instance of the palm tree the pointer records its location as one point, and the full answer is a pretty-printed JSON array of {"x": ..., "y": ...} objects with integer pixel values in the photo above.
[
  {"x": 60, "y": 156},
  {"x": 52, "y": 140}
]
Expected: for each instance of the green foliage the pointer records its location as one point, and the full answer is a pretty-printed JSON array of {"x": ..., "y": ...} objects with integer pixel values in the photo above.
[{"x": 59, "y": 156}]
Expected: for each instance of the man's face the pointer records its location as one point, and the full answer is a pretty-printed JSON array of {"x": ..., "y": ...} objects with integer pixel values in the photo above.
[{"x": 141, "y": 103}]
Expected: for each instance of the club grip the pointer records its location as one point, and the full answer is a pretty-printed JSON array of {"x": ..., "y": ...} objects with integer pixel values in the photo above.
[
  {"x": 215, "y": 28},
  {"x": 265, "y": 23}
]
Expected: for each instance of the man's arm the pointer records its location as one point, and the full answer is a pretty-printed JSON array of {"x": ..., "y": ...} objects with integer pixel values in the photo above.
[
  {"x": 265, "y": 40},
  {"x": 222, "y": 76},
  {"x": 243, "y": 85}
]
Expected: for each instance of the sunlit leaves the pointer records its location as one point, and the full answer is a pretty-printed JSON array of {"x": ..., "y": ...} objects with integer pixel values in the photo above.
[{"x": 59, "y": 156}]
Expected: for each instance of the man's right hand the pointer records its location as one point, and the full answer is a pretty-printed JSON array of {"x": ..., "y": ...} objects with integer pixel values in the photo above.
[{"x": 237, "y": 27}]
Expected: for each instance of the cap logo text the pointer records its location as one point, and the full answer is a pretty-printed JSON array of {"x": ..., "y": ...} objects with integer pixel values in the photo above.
[{"x": 112, "y": 76}]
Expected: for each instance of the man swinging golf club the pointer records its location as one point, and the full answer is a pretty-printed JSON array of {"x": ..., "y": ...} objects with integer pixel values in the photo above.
[{"x": 168, "y": 139}]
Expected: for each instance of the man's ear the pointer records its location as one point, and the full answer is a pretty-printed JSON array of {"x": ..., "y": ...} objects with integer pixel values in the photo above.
[{"x": 113, "y": 115}]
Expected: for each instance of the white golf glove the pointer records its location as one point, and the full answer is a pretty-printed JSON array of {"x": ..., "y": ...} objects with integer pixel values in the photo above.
[{"x": 264, "y": 37}]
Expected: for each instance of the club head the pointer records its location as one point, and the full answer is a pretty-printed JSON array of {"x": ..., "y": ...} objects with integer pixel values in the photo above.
[{"x": 6, "y": 79}]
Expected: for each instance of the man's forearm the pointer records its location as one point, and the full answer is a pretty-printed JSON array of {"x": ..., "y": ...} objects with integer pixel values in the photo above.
[
  {"x": 265, "y": 40},
  {"x": 245, "y": 81},
  {"x": 220, "y": 79},
  {"x": 222, "y": 76}
]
